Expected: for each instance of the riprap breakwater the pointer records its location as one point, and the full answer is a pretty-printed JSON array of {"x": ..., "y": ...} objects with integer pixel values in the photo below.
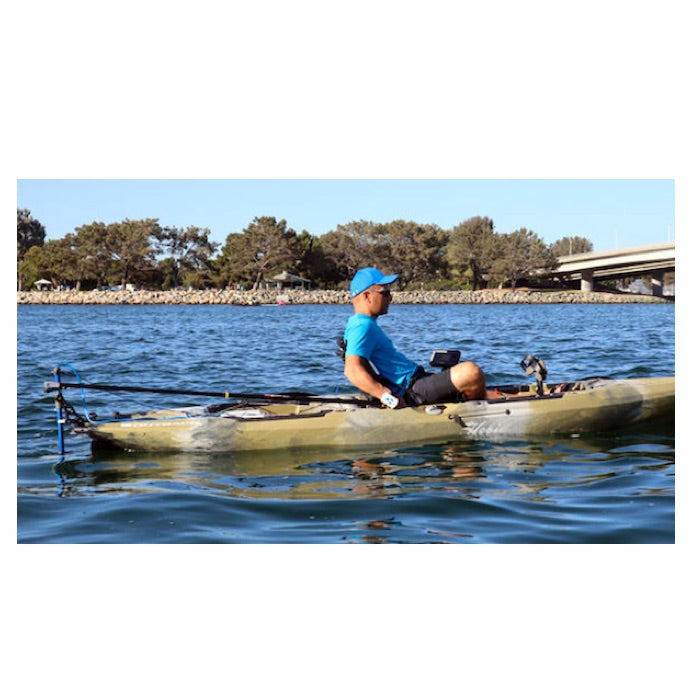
[{"x": 276, "y": 297}]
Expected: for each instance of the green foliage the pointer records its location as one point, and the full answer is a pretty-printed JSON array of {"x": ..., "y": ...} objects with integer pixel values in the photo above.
[
  {"x": 349, "y": 248},
  {"x": 472, "y": 250},
  {"x": 61, "y": 261},
  {"x": 522, "y": 254},
  {"x": 30, "y": 232},
  {"x": 414, "y": 251},
  {"x": 96, "y": 258},
  {"x": 190, "y": 262},
  {"x": 130, "y": 246},
  {"x": 424, "y": 255},
  {"x": 31, "y": 268},
  {"x": 170, "y": 273},
  {"x": 340, "y": 256},
  {"x": 265, "y": 247},
  {"x": 309, "y": 259},
  {"x": 571, "y": 245}
]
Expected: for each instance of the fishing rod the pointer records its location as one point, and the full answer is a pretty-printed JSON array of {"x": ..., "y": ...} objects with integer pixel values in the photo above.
[{"x": 58, "y": 385}]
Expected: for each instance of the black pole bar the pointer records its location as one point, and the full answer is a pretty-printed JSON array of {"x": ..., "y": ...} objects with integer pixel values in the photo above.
[
  {"x": 284, "y": 397},
  {"x": 60, "y": 415}
]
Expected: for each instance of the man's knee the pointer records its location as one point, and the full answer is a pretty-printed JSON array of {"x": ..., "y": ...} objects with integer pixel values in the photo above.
[
  {"x": 468, "y": 371},
  {"x": 469, "y": 379}
]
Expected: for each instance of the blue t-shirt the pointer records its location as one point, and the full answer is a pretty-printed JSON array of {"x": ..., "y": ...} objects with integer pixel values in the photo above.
[{"x": 364, "y": 337}]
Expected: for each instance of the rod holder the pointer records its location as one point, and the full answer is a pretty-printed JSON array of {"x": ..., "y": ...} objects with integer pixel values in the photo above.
[{"x": 58, "y": 403}]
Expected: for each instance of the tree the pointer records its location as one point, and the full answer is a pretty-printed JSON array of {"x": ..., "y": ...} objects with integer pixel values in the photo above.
[
  {"x": 130, "y": 246},
  {"x": 265, "y": 246},
  {"x": 170, "y": 272},
  {"x": 344, "y": 252},
  {"x": 30, "y": 232},
  {"x": 322, "y": 262},
  {"x": 571, "y": 245},
  {"x": 190, "y": 255},
  {"x": 414, "y": 251},
  {"x": 522, "y": 254},
  {"x": 471, "y": 248},
  {"x": 355, "y": 245},
  {"x": 230, "y": 263},
  {"x": 96, "y": 258},
  {"x": 32, "y": 266},
  {"x": 61, "y": 260},
  {"x": 310, "y": 261}
]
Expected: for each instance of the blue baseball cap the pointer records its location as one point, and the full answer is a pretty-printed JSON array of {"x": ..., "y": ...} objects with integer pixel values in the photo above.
[{"x": 368, "y": 276}]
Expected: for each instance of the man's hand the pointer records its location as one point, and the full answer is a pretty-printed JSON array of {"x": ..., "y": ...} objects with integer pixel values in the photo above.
[{"x": 391, "y": 401}]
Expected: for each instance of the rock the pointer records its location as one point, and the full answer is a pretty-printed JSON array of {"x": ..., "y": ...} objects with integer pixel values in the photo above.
[{"x": 250, "y": 298}]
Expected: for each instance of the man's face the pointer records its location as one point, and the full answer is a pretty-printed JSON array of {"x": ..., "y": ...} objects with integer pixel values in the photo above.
[{"x": 379, "y": 299}]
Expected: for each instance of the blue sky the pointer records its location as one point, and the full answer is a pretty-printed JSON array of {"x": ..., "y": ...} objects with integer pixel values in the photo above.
[{"x": 611, "y": 213}]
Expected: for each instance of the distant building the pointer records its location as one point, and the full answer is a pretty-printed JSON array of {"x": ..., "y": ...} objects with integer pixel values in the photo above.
[{"x": 43, "y": 284}]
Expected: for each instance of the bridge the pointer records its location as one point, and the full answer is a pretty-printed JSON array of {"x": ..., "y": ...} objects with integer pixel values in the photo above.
[{"x": 651, "y": 260}]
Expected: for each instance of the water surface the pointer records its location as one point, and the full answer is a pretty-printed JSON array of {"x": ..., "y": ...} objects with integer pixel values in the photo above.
[{"x": 614, "y": 487}]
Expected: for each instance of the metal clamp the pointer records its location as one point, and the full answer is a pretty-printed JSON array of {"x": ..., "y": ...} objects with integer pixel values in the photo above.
[{"x": 533, "y": 365}]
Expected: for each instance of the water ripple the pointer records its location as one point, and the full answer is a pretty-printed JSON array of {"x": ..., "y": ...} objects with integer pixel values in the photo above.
[{"x": 618, "y": 487}]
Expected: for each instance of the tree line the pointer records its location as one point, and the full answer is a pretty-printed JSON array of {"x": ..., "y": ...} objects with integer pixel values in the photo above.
[{"x": 145, "y": 253}]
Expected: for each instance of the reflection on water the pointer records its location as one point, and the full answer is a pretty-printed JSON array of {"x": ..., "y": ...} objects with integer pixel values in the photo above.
[
  {"x": 610, "y": 488},
  {"x": 462, "y": 469}
]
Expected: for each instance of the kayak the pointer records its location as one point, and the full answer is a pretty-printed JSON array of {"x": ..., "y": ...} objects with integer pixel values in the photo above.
[{"x": 349, "y": 421}]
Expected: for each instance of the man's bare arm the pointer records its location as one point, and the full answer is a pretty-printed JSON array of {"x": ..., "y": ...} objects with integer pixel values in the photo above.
[{"x": 359, "y": 372}]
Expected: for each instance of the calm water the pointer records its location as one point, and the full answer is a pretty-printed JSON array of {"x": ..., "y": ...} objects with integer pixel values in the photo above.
[{"x": 617, "y": 487}]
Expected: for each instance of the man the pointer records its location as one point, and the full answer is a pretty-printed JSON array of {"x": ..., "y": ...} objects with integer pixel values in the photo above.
[{"x": 397, "y": 381}]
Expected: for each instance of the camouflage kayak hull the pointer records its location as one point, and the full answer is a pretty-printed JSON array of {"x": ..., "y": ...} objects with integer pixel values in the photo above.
[{"x": 583, "y": 407}]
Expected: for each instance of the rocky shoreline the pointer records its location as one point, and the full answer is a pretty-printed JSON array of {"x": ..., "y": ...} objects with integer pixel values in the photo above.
[{"x": 275, "y": 297}]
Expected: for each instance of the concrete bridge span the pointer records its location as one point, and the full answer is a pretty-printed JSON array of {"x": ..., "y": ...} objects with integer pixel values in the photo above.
[{"x": 651, "y": 260}]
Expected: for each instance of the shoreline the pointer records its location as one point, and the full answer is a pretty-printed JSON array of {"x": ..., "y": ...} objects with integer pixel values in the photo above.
[{"x": 296, "y": 297}]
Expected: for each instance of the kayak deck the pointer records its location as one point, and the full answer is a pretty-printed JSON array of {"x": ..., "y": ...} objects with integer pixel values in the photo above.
[{"x": 589, "y": 405}]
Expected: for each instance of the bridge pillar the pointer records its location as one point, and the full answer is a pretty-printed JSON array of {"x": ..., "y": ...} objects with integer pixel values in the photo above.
[
  {"x": 657, "y": 286},
  {"x": 587, "y": 281}
]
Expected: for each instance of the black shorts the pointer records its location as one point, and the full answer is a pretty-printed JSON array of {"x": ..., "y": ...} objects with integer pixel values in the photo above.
[{"x": 428, "y": 388}]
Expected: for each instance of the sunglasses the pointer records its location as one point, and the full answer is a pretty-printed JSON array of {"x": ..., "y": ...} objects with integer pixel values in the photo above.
[{"x": 383, "y": 292}]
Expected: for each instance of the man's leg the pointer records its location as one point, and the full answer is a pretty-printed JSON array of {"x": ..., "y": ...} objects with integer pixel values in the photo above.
[{"x": 469, "y": 379}]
